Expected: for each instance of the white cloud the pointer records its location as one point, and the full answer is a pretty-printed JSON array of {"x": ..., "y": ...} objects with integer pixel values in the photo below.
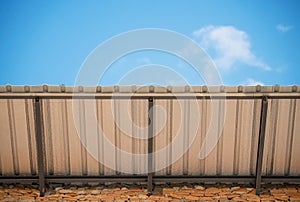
[
  {"x": 230, "y": 44},
  {"x": 252, "y": 82},
  {"x": 284, "y": 28}
]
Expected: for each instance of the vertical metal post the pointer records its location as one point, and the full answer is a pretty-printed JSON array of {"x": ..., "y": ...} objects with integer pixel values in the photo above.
[
  {"x": 39, "y": 144},
  {"x": 150, "y": 146},
  {"x": 261, "y": 143}
]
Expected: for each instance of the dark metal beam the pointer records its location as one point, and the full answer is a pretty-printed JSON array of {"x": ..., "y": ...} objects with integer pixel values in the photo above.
[
  {"x": 39, "y": 144},
  {"x": 150, "y": 145},
  {"x": 97, "y": 180},
  {"x": 19, "y": 179},
  {"x": 285, "y": 179},
  {"x": 261, "y": 143},
  {"x": 143, "y": 179},
  {"x": 155, "y": 96}
]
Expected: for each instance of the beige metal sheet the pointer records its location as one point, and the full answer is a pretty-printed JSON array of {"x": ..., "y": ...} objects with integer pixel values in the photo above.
[
  {"x": 120, "y": 120},
  {"x": 17, "y": 137},
  {"x": 294, "y": 166},
  {"x": 75, "y": 147},
  {"x": 56, "y": 140},
  {"x": 7, "y": 152},
  {"x": 282, "y": 138}
]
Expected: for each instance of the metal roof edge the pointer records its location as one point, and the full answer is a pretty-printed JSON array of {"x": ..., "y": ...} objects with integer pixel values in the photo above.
[{"x": 149, "y": 89}]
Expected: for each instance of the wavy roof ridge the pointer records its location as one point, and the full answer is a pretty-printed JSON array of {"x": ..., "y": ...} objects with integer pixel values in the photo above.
[{"x": 149, "y": 89}]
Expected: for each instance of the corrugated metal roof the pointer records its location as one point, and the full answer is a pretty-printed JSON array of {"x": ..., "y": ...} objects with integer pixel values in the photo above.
[{"x": 235, "y": 153}]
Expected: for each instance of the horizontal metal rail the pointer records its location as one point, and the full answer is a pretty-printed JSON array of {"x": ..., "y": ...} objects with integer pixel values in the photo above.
[
  {"x": 155, "y": 96},
  {"x": 156, "y": 179}
]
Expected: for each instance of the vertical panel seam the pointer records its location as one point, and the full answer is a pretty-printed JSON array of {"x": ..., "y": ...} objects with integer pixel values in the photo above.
[
  {"x": 253, "y": 128},
  {"x": 100, "y": 147},
  {"x": 170, "y": 119},
  {"x": 167, "y": 134},
  {"x": 117, "y": 135},
  {"x": 27, "y": 122},
  {"x": 220, "y": 142},
  {"x": 138, "y": 117},
  {"x": 239, "y": 134},
  {"x": 203, "y": 133},
  {"x": 236, "y": 139},
  {"x": 273, "y": 136},
  {"x": 50, "y": 161},
  {"x": 290, "y": 136},
  {"x": 133, "y": 145},
  {"x": 66, "y": 137},
  {"x": 83, "y": 136},
  {"x": 102, "y": 138},
  {"x": 185, "y": 136},
  {"x": 188, "y": 134},
  {"x": 13, "y": 137}
]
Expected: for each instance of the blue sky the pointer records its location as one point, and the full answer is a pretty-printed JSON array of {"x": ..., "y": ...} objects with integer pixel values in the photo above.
[{"x": 251, "y": 42}]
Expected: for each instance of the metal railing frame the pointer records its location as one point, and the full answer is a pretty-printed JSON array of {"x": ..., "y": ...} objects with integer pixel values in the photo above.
[{"x": 42, "y": 178}]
